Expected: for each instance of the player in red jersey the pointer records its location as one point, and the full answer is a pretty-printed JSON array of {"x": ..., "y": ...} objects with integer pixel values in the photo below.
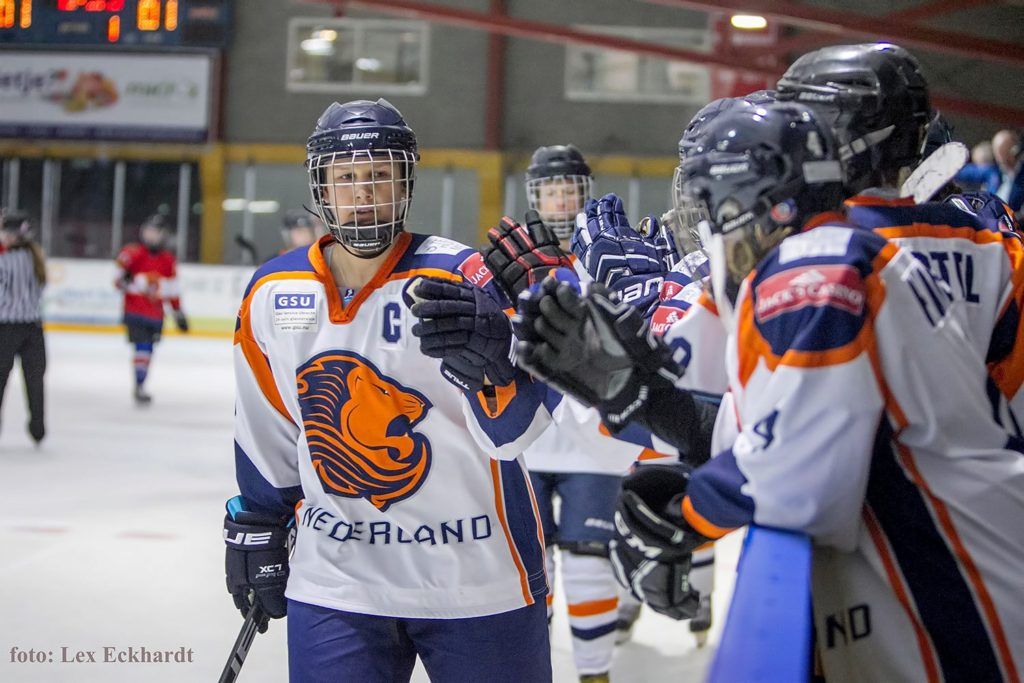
[{"x": 148, "y": 278}]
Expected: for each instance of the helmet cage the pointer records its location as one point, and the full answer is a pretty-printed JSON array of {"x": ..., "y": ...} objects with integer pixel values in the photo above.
[
  {"x": 363, "y": 196},
  {"x": 558, "y": 199}
]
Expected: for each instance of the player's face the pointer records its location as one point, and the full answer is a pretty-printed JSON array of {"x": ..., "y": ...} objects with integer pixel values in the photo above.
[
  {"x": 365, "y": 191},
  {"x": 560, "y": 199},
  {"x": 8, "y": 238},
  {"x": 151, "y": 236}
]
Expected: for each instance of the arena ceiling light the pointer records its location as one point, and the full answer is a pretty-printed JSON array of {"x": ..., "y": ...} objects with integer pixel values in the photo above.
[{"x": 749, "y": 22}]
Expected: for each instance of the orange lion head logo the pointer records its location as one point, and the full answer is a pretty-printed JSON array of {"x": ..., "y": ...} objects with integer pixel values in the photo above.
[{"x": 359, "y": 426}]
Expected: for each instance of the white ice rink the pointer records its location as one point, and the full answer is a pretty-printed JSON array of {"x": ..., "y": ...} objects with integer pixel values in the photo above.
[{"x": 111, "y": 531}]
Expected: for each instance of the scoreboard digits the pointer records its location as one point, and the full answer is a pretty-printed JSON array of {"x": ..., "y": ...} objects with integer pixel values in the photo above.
[{"x": 145, "y": 23}]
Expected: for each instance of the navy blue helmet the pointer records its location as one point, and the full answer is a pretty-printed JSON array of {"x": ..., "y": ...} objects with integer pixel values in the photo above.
[
  {"x": 362, "y": 159},
  {"x": 876, "y": 100},
  {"x": 685, "y": 217},
  {"x": 558, "y": 182},
  {"x": 765, "y": 172},
  {"x": 690, "y": 142}
]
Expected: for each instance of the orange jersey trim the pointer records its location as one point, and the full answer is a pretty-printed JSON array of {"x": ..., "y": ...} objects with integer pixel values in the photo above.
[
  {"x": 981, "y": 593},
  {"x": 425, "y": 272},
  {"x": 499, "y": 506},
  {"x": 823, "y": 218},
  {"x": 941, "y": 231},
  {"x": 705, "y": 301},
  {"x": 651, "y": 454},
  {"x": 701, "y": 523},
  {"x": 874, "y": 200},
  {"x": 337, "y": 312},
  {"x": 495, "y": 405},
  {"x": 593, "y": 607},
  {"x": 1008, "y": 374},
  {"x": 254, "y": 357},
  {"x": 753, "y": 347},
  {"x": 945, "y": 524},
  {"x": 926, "y": 647}
]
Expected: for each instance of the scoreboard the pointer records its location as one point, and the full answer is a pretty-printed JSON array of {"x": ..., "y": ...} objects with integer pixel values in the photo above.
[{"x": 133, "y": 23}]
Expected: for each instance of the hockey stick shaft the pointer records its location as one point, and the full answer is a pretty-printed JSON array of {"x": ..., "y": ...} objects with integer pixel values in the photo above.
[{"x": 241, "y": 647}]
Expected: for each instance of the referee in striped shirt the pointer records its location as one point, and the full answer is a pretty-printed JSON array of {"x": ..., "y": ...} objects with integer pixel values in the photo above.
[{"x": 22, "y": 277}]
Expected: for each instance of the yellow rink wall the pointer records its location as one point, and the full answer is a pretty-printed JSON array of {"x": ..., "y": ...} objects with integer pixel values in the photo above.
[{"x": 490, "y": 169}]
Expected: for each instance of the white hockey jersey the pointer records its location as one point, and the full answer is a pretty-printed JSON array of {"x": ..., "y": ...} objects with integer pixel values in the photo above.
[
  {"x": 975, "y": 264},
  {"x": 863, "y": 422},
  {"x": 410, "y": 498},
  {"x": 576, "y": 441}
]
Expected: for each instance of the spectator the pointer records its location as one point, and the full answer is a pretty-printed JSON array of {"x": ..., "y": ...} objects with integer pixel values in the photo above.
[
  {"x": 1001, "y": 173},
  {"x": 22, "y": 277},
  {"x": 1006, "y": 149}
]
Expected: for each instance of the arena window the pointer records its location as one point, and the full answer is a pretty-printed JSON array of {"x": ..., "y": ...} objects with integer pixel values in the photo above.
[
  {"x": 377, "y": 56},
  {"x": 603, "y": 75}
]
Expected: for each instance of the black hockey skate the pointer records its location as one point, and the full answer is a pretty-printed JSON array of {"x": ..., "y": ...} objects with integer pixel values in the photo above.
[
  {"x": 141, "y": 397},
  {"x": 700, "y": 625},
  {"x": 628, "y": 614}
]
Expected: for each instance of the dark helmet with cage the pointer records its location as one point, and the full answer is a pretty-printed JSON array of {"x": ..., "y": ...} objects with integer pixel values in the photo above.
[
  {"x": 558, "y": 182},
  {"x": 682, "y": 221},
  {"x": 765, "y": 173},
  {"x": 154, "y": 232},
  {"x": 362, "y": 167},
  {"x": 299, "y": 228},
  {"x": 876, "y": 100}
]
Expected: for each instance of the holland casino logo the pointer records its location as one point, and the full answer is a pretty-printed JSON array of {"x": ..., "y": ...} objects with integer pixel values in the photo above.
[{"x": 360, "y": 425}]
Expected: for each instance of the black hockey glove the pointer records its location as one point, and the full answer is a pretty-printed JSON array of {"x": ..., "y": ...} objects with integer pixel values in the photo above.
[
  {"x": 597, "y": 350},
  {"x": 181, "y": 321},
  {"x": 463, "y": 326},
  {"x": 652, "y": 547},
  {"x": 520, "y": 256},
  {"x": 256, "y": 563}
]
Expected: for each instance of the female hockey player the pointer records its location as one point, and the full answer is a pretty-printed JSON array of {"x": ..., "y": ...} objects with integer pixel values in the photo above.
[
  {"x": 396, "y": 460},
  {"x": 571, "y": 461},
  {"x": 845, "y": 429}
]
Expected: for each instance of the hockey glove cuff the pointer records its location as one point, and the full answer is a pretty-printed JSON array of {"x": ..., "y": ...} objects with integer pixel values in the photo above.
[{"x": 256, "y": 563}]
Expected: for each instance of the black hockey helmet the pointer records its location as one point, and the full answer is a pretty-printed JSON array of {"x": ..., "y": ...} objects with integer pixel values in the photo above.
[
  {"x": 766, "y": 171},
  {"x": 876, "y": 100},
  {"x": 690, "y": 142},
  {"x": 558, "y": 182},
  {"x": 368, "y": 140}
]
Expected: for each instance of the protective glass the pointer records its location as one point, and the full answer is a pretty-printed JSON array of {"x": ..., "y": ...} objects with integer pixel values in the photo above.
[
  {"x": 363, "y": 197},
  {"x": 687, "y": 214},
  {"x": 558, "y": 199}
]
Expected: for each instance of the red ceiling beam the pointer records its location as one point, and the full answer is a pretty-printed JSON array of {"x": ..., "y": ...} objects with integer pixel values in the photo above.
[
  {"x": 552, "y": 33},
  {"x": 1010, "y": 116},
  {"x": 533, "y": 30},
  {"x": 846, "y": 24},
  {"x": 926, "y": 10},
  {"x": 495, "y": 95}
]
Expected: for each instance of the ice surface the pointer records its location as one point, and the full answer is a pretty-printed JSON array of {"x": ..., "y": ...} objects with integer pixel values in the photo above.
[{"x": 111, "y": 531}]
